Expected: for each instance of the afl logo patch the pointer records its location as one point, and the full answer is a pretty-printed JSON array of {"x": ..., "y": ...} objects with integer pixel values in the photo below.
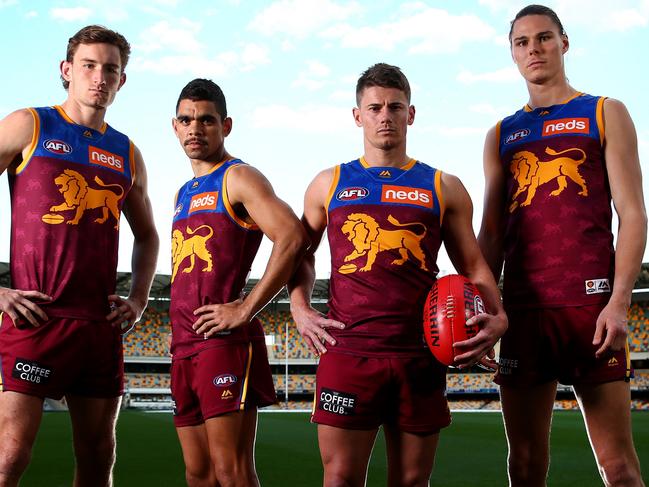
[
  {"x": 351, "y": 194},
  {"x": 56, "y": 146},
  {"x": 179, "y": 208},
  {"x": 518, "y": 135},
  {"x": 224, "y": 380}
]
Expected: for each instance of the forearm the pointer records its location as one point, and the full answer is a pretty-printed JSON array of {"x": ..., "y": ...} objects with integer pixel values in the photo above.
[
  {"x": 143, "y": 266},
  {"x": 300, "y": 286},
  {"x": 284, "y": 259},
  {"x": 631, "y": 241},
  {"x": 491, "y": 245}
]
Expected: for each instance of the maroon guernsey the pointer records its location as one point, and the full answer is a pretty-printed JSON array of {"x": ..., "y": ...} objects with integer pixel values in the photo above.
[
  {"x": 384, "y": 230},
  {"x": 66, "y": 200},
  {"x": 212, "y": 251}
]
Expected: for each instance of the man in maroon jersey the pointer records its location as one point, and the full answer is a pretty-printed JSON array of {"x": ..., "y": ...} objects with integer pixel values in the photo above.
[
  {"x": 551, "y": 171},
  {"x": 220, "y": 373},
  {"x": 386, "y": 216},
  {"x": 70, "y": 176}
]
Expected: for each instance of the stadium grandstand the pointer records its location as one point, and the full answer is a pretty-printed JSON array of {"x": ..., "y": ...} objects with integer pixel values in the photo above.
[{"x": 147, "y": 360}]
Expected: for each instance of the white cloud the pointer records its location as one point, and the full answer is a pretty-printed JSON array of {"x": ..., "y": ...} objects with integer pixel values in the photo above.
[
  {"x": 485, "y": 109},
  {"x": 7, "y": 3},
  {"x": 422, "y": 29},
  {"x": 71, "y": 14},
  {"x": 314, "y": 77},
  {"x": 196, "y": 65},
  {"x": 299, "y": 18},
  {"x": 31, "y": 14},
  {"x": 316, "y": 119},
  {"x": 504, "y": 75},
  {"x": 254, "y": 55},
  {"x": 342, "y": 95},
  {"x": 179, "y": 37}
]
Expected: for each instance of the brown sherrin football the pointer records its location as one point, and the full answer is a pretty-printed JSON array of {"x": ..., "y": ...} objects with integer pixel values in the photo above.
[{"x": 452, "y": 300}]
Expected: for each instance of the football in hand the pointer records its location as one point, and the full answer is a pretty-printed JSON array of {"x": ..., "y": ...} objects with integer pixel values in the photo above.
[{"x": 451, "y": 301}]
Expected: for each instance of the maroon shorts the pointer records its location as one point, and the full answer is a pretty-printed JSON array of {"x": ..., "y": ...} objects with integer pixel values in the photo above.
[
  {"x": 355, "y": 392},
  {"x": 542, "y": 345},
  {"x": 220, "y": 380},
  {"x": 62, "y": 356}
]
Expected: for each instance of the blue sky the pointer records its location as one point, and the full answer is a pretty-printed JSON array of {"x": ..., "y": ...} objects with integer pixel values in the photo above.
[{"x": 289, "y": 67}]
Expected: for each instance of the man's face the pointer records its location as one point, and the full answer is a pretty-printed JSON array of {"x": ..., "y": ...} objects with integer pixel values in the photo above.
[
  {"x": 200, "y": 129},
  {"x": 538, "y": 48},
  {"x": 95, "y": 74},
  {"x": 384, "y": 114}
]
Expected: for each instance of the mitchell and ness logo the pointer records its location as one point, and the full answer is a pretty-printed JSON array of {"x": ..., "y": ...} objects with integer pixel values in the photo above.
[
  {"x": 56, "y": 146},
  {"x": 351, "y": 194}
]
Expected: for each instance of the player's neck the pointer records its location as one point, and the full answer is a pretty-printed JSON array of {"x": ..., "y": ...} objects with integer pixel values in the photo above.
[
  {"x": 548, "y": 94},
  {"x": 202, "y": 167},
  {"x": 90, "y": 117},
  {"x": 396, "y": 157}
]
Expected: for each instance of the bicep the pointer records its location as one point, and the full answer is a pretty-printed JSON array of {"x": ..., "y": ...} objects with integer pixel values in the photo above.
[
  {"x": 494, "y": 197},
  {"x": 622, "y": 159},
  {"x": 16, "y": 134},
  {"x": 137, "y": 206}
]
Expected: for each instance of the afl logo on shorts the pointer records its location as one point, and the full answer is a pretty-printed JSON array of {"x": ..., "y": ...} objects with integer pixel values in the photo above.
[
  {"x": 224, "y": 380},
  {"x": 56, "y": 146},
  {"x": 351, "y": 194}
]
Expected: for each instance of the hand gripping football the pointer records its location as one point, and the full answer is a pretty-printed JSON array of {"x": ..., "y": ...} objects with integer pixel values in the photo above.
[{"x": 451, "y": 301}]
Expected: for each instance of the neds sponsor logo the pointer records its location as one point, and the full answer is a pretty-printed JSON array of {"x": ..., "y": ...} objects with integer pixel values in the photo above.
[
  {"x": 105, "y": 159},
  {"x": 408, "y": 195},
  {"x": 204, "y": 201},
  {"x": 566, "y": 126}
]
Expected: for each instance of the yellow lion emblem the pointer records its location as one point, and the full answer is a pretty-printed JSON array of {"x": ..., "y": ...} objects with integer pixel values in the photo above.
[
  {"x": 530, "y": 173},
  {"x": 369, "y": 239},
  {"x": 182, "y": 248},
  {"x": 79, "y": 196}
]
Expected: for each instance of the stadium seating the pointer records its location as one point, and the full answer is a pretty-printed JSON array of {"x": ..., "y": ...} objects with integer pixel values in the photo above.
[{"x": 639, "y": 327}]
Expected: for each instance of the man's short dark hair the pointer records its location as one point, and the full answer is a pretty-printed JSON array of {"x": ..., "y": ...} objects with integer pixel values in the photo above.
[
  {"x": 385, "y": 76},
  {"x": 97, "y": 34},
  {"x": 537, "y": 10},
  {"x": 201, "y": 89}
]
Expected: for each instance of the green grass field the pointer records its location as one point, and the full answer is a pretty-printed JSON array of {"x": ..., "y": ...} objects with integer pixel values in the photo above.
[{"x": 471, "y": 452}]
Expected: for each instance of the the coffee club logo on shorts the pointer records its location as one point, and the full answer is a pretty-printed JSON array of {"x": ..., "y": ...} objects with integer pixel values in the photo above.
[
  {"x": 30, "y": 371},
  {"x": 336, "y": 402}
]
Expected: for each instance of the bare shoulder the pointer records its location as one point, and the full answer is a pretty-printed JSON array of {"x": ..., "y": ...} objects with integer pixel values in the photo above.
[
  {"x": 454, "y": 193},
  {"x": 322, "y": 182},
  {"x": 16, "y": 136}
]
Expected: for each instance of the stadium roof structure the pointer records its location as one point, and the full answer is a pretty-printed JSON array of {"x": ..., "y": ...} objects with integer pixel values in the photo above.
[{"x": 162, "y": 285}]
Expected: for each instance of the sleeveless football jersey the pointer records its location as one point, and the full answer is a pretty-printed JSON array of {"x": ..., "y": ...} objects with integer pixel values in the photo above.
[
  {"x": 66, "y": 200},
  {"x": 384, "y": 234},
  {"x": 558, "y": 242},
  {"x": 212, "y": 252}
]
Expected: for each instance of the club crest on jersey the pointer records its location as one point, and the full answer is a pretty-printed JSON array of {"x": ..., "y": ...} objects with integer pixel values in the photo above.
[
  {"x": 406, "y": 195},
  {"x": 105, "y": 159},
  {"x": 529, "y": 173},
  {"x": 597, "y": 286},
  {"x": 56, "y": 146},
  {"x": 190, "y": 247},
  {"x": 566, "y": 126},
  {"x": 516, "y": 136},
  {"x": 203, "y": 201},
  {"x": 351, "y": 194},
  {"x": 368, "y": 239},
  {"x": 224, "y": 380}
]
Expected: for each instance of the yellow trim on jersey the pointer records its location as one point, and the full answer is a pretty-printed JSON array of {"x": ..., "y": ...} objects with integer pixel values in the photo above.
[
  {"x": 600, "y": 118},
  {"x": 216, "y": 166},
  {"x": 131, "y": 156},
  {"x": 244, "y": 388},
  {"x": 498, "y": 125},
  {"x": 226, "y": 201},
  {"x": 36, "y": 132},
  {"x": 528, "y": 108},
  {"x": 627, "y": 353},
  {"x": 408, "y": 165},
  {"x": 332, "y": 188},
  {"x": 440, "y": 196},
  {"x": 364, "y": 162},
  {"x": 1, "y": 383},
  {"x": 65, "y": 116}
]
